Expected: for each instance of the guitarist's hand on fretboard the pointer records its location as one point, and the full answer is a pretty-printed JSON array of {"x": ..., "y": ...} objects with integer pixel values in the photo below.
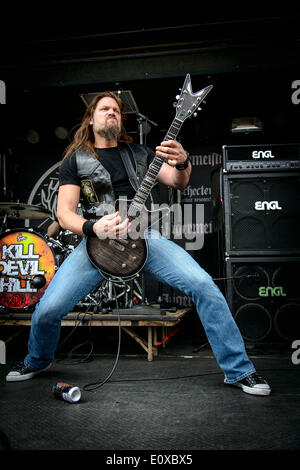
[{"x": 172, "y": 151}]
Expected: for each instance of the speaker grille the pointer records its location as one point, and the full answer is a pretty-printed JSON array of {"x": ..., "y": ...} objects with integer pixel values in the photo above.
[
  {"x": 262, "y": 214},
  {"x": 254, "y": 322},
  {"x": 264, "y": 297}
]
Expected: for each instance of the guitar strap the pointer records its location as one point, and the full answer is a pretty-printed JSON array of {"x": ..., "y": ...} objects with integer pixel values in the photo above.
[{"x": 124, "y": 152}]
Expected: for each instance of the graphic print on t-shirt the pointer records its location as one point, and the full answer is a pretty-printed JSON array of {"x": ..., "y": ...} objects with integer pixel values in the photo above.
[{"x": 89, "y": 192}]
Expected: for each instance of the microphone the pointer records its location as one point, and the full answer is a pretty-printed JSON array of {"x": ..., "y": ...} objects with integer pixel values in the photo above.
[
  {"x": 37, "y": 281},
  {"x": 243, "y": 276}
]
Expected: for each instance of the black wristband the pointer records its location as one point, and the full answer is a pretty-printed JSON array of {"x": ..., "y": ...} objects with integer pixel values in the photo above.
[
  {"x": 87, "y": 228},
  {"x": 184, "y": 165}
]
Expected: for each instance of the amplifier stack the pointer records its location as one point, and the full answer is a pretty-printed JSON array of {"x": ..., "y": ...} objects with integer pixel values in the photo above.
[{"x": 256, "y": 211}]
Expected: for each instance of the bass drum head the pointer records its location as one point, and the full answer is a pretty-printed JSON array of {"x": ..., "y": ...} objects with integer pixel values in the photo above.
[{"x": 26, "y": 255}]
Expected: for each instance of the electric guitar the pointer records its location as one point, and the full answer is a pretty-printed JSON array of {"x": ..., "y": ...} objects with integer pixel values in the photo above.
[{"x": 125, "y": 257}]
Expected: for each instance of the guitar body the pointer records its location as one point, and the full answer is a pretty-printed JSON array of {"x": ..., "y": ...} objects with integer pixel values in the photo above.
[
  {"x": 124, "y": 257},
  {"x": 114, "y": 258}
]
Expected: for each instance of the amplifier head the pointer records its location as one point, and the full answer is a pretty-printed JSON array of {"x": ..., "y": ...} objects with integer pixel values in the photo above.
[{"x": 264, "y": 157}]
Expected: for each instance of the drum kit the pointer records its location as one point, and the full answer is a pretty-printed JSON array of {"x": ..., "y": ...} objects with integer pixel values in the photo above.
[{"x": 29, "y": 260}]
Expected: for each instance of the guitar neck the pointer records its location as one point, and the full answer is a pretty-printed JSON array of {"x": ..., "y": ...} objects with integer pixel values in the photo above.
[{"x": 149, "y": 179}]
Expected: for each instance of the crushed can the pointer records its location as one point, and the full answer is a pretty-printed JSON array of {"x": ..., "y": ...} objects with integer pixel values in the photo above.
[{"x": 67, "y": 392}]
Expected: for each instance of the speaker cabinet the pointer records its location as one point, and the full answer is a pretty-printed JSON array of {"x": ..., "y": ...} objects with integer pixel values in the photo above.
[
  {"x": 264, "y": 297},
  {"x": 261, "y": 214}
]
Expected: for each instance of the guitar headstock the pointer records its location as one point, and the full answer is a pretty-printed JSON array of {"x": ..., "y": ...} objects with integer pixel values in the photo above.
[{"x": 188, "y": 102}]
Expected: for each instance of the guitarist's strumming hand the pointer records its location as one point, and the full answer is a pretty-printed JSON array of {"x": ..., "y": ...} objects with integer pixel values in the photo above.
[{"x": 111, "y": 226}]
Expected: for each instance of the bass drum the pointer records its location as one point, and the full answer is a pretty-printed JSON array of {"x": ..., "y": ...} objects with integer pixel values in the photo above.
[{"x": 24, "y": 258}]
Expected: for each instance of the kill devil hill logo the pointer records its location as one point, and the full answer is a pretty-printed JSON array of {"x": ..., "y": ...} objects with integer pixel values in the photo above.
[{"x": 23, "y": 256}]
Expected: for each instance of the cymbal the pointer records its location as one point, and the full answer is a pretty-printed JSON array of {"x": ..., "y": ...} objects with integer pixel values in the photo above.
[{"x": 18, "y": 210}]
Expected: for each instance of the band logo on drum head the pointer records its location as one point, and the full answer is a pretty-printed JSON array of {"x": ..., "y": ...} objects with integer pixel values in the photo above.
[{"x": 23, "y": 256}]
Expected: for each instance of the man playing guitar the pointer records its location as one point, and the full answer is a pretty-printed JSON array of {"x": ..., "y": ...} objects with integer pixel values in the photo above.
[{"x": 100, "y": 166}]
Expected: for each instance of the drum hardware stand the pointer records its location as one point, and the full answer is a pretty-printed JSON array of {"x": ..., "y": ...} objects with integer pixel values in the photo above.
[
  {"x": 100, "y": 300},
  {"x": 105, "y": 298},
  {"x": 4, "y": 224},
  {"x": 3, "y": 164},
  {"x": 51, "y": 241}
]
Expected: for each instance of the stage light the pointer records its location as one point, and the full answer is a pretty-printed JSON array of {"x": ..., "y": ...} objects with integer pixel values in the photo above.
[
  {"x": 61, "y": 132},
  {"x": 246, "y": 125},
  {"x": 32, "y": 136}
]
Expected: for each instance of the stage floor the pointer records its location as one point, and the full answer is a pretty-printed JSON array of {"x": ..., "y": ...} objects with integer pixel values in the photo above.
[{"x": 177, "y": 403}]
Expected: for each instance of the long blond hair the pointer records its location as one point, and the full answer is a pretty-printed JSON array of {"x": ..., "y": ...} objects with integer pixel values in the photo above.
[{"x": 84, "y": 136}]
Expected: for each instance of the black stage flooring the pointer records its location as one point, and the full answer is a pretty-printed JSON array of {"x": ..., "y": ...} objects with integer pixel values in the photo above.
[{"x": 176, "y": 404}]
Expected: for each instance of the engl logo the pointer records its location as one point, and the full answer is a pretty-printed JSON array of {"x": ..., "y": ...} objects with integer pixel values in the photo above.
[
  {"x": 271, "y": 291},
  {"x": 267, "y": 205},
  {"x": 262, "y": 154}
]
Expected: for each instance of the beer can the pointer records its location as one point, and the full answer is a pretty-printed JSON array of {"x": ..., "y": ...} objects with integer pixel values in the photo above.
[{"x": 67, "y": 392}]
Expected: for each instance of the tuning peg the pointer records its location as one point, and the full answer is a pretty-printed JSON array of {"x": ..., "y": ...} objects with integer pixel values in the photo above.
[
  {"x": 194, "y": 114},
  {"x": 199, "y": 109},
  {"x": 177, "y": 97},
  {"x": 175, "y": 104}
]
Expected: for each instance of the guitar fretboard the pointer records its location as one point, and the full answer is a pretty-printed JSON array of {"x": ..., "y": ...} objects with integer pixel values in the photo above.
[{"x": 149, "y": 179}]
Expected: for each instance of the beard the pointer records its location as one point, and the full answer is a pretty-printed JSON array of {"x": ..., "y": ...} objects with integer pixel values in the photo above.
[{"x": 109, "y": 132}]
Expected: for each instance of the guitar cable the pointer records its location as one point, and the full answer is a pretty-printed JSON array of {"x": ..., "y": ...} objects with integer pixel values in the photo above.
[
  {"x": 95, "y": 385},
  {"x": 88, "y": 358}
]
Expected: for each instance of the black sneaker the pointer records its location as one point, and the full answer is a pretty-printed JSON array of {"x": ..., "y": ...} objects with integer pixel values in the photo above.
[
  {"x": 22, "y": 372},
  {"x": 254, "y": 384}
]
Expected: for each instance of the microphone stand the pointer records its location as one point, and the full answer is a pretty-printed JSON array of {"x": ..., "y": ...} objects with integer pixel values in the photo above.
[{"x": 141, "y": 119}]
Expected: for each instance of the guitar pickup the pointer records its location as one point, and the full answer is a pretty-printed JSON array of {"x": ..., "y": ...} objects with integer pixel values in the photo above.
[
  {"x": 117, "y": 245},
  {"x": 123, "y": 241}
]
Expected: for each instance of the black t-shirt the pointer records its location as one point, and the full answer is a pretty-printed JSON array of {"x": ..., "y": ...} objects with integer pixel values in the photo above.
[{"x": 112, "y": 162}]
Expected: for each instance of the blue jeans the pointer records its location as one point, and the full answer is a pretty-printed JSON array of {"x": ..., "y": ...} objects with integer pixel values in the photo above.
[{"x": 168, "y": 263}]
